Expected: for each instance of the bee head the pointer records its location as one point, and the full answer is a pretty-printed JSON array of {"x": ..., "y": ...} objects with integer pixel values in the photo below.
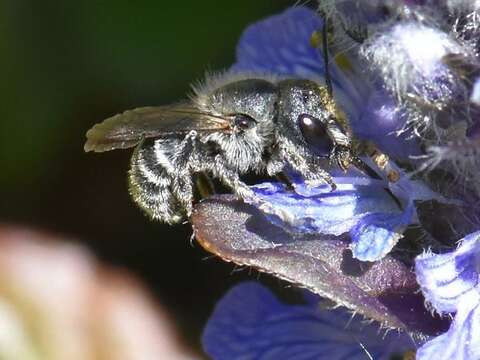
[{"x": 309, "y": 112}]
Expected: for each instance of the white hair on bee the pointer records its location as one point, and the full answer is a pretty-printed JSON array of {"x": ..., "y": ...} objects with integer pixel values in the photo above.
[{"x": 212, "y": 81}]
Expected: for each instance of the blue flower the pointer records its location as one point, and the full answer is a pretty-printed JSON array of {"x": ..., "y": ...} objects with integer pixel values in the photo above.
[
  {"x": 419, "y": 67},
  {"x": 250, "y": 323},
  {"x": 450, "y": 283},
  {"x": 427, "y": 59},
  {"x": 281, "y": 45},
  {"x": 383, "y": 123},
  {"x": 373, "y": 212},
  {"x": 411, "y": 87}
]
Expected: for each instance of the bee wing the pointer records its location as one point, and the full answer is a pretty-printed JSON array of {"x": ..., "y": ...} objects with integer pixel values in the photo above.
[{"x": 127, "y": 129}]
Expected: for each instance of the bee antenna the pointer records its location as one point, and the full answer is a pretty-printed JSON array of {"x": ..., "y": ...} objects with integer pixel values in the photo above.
[{"x": 328, "y": 79}]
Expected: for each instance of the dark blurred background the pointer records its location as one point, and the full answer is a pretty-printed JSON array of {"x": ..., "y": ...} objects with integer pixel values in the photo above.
[{"x": 67, "y": 65}]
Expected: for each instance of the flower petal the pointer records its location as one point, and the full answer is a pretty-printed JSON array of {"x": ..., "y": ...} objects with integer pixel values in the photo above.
[
  {"x": 385, "y": 290},
  {"x": 250, "y": 323},
  {"x": 280, "y": 44},
  {"x": 475, "y": 96},
  {"x": 383, "y": 123},
  {"x": 376, "y": 234},
  {"x": 318, "y": 210},
  {"x": 366, "y": 210},
  {"x": 460, "y": 342},
  {"x": 449, "y": 278}
]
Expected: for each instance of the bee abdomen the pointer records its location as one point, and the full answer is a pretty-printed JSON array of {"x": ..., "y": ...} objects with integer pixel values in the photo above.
[{"x": 150, "y": 184}]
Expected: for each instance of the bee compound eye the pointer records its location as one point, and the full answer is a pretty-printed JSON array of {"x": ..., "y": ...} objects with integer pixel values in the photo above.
[
  {"x": 243, "y": 122},
  {"x": 315, "y": 134}
]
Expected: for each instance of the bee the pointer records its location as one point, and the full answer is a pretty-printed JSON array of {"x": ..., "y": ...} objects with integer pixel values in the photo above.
[{"x": 231, "y": 126}]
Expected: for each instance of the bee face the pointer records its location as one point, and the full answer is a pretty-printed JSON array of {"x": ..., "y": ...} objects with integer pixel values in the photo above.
[{"x": 310, "y": 113}]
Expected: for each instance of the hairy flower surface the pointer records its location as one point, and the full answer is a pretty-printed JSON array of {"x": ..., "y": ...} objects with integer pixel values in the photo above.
[
  {"x": 432, "y": 77},
  {"x": 450, "y": 283}
]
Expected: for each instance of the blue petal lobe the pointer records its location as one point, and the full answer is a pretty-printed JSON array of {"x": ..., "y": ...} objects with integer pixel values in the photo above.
[
  {"x": 376, "y": 234},
  {"x": 381, "y": 122},
  {"x": 281, "y": 45},
  {"x": 460, "y": 342},
  {"x": 475, "y": 96},
  {"x": 317, "y": 210},
  {"x": 449, "y": 278},
  {"x": 250, "y": 323}
]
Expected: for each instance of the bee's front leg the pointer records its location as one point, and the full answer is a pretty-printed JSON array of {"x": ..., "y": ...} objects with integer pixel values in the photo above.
[
  {"x": 307, "y": 165},
  {"x": 232, "y": 179},
  {"x": 341, "y": 156}
]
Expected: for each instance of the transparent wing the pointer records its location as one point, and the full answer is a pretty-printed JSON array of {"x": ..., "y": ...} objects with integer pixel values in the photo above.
[{"x": 127, "y": 129}]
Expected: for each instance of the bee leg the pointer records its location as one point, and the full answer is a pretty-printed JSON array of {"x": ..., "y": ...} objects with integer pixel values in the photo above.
[
  {"x": 204, "y": 184},
  {"x": 307, "y": 165},
  {"x": 284, "y": 179},
  {"x": 182, "y": 188},
  {"x": 275, "y": 167},
  {"x": 316, "y": 176},
  {"x": 232, "y": 180},
  {"x": 182, "y": 185},
  {"x": 342, "y": 157}
]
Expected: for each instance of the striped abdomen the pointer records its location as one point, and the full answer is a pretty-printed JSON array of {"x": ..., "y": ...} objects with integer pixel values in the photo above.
[{"x": 151, "y": 175}]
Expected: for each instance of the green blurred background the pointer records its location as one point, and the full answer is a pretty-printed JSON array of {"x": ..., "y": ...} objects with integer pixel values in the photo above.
[{"x": 67, "y": 65}]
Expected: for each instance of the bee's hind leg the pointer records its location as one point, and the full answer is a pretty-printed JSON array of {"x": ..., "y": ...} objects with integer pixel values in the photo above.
[
  {"x": 204, "y": 185},
  {"x": 231, "y": 179},
  {"x": 182, "y": 189},
  {"x": 182, "y": 184}
]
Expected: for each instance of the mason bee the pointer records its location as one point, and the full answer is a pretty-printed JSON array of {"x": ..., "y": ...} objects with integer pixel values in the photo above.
[{"x": 232, "y": 126}]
